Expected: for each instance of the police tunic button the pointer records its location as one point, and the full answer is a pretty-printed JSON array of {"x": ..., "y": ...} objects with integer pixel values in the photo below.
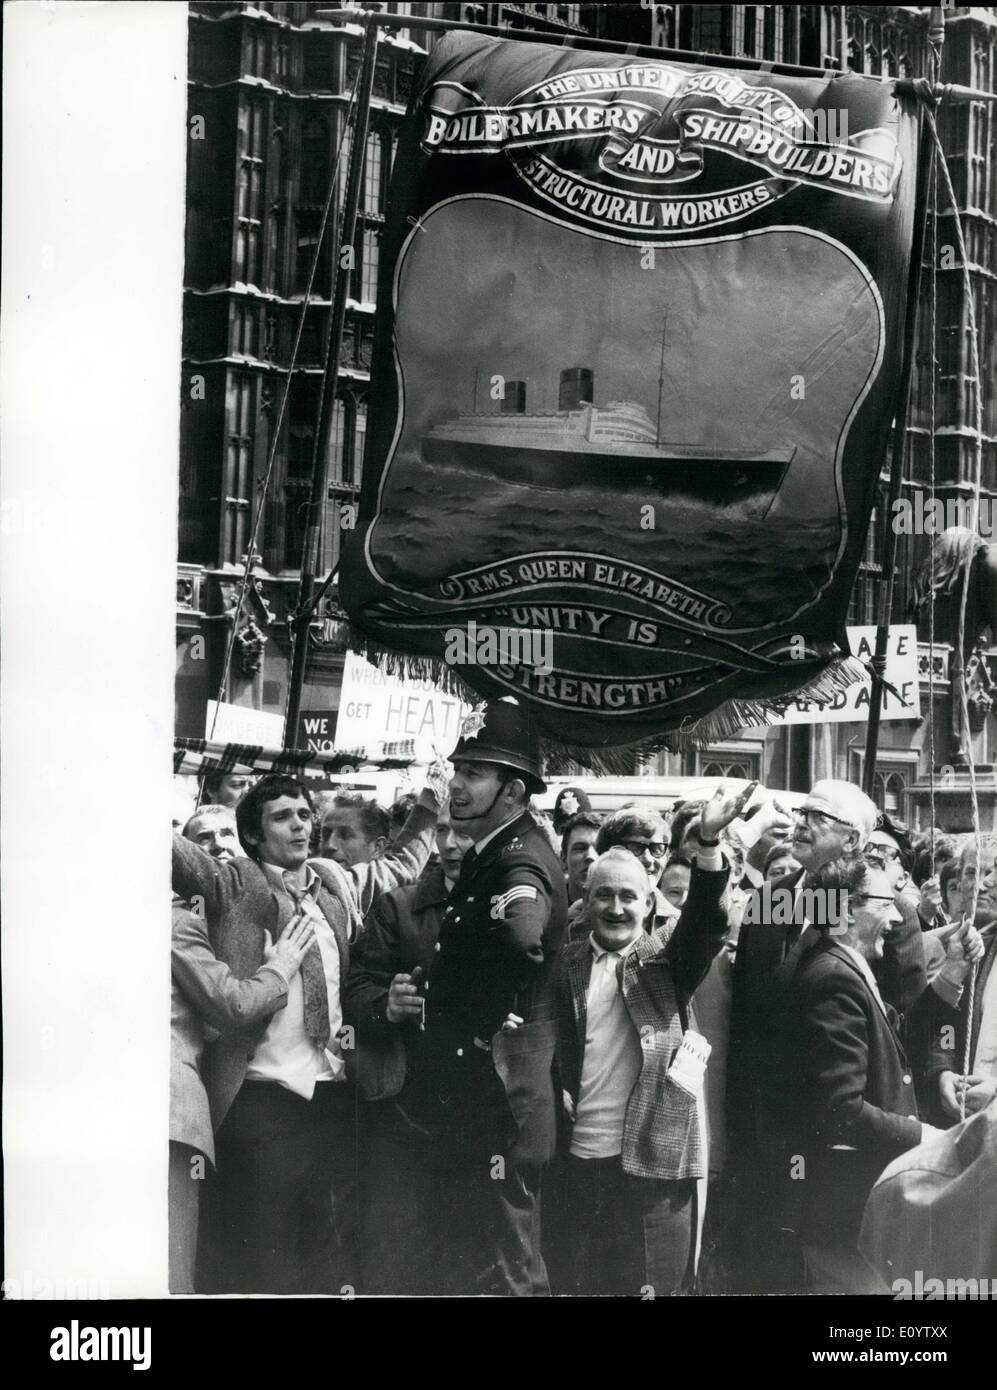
[
  {"x": 456, "y": 919},
  {"x": 470, "y": 900},
  {"x": 437, "y": 947},
  {"x": 907, "y": 1081},
  {"x": 460, "y": 1052}
]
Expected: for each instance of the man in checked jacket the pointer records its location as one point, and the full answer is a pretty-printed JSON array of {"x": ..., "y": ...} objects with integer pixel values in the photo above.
[{"x": 636, "y": 1147}]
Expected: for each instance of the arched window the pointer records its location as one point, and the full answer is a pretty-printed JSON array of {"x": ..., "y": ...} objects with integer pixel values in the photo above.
[
  {"x": 736, "y": 769},
  {"x": 889, "y": 789}
]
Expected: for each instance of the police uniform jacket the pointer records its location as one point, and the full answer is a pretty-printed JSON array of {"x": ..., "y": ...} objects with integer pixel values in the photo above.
[{"x": 470, "y": 1082}]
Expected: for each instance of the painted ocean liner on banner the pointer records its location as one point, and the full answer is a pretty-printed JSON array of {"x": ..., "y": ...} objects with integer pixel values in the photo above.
[
  {"x": 636, "y": 380},
  {"x": 584, "y": 442}
]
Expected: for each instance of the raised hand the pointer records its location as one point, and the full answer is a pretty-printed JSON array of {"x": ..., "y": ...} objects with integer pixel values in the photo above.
[
  {"x": 721, "y": 809},
  {"x": 437, "y": 788}
]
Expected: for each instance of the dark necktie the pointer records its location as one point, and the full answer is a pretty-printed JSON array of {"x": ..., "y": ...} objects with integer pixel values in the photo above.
[
  {"x": 315, "y": 988},
  {"x": 466, "y": 869}
]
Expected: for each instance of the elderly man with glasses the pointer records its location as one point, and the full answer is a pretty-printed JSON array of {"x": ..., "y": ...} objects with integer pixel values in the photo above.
[{"x": 835, "y": 821}]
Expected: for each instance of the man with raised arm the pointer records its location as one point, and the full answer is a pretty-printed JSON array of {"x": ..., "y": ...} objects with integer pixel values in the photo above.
[{"x": 284, "y": 1209}]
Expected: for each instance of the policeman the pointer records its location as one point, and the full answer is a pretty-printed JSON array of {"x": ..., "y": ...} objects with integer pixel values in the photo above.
[{"x": 477, "y": 1014}]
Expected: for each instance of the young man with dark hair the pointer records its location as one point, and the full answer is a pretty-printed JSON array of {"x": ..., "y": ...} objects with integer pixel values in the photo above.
[
  {"x": 578, "y": 851},
  {"x": 283, "y": 1110},
  {"x": 675, "y": 879},
  {"x": 643, "y": 833},
  {"x": 205, "y": 994}
]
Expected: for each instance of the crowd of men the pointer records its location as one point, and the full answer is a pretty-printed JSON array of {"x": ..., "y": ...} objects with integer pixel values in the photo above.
[{"x": 462, "y": 1048}]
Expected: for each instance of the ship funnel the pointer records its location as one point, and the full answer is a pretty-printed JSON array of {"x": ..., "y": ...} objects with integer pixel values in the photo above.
[
  {"x": 514, "y": 400},
  {"x": 576, "y": 388}
]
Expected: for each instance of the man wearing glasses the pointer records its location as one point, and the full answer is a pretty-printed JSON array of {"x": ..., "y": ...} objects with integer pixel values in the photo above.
[
  {"x": 946, "y": 952},
  {"x": 645, "y": 834},
  {"x": 850, "y": 1103},
  {"x": 835, "y": 820},
  {"x": 890, "y": 847}
]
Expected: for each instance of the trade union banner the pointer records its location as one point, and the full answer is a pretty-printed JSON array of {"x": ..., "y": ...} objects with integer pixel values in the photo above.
[{"x": 634, "y": 374}]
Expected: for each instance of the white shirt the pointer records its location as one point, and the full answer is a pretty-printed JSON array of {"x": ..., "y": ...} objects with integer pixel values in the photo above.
[
  {"x": 866, "y": 969},
  {"x": 985, "y": 1059},
  {"x": 612, "y": 1060},
  {"x": 286, "y": 1054}
]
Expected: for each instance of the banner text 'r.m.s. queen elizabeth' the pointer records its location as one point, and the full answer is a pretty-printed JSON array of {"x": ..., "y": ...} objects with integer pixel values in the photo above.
[{"x": 635, "y": 368}]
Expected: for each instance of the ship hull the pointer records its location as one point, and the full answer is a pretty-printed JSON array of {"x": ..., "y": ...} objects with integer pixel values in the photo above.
[{"x": 723, "y": 479}]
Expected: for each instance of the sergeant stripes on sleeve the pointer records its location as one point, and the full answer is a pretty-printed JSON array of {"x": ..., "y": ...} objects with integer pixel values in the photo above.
[{"x": 501, "y": 901}]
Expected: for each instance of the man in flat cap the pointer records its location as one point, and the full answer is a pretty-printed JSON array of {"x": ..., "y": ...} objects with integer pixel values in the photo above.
[{"x": 475, "y": 1008}]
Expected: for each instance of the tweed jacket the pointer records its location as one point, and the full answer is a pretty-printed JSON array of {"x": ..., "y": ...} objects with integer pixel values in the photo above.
[
  {"x": 205, "y": 992},
  {"x": 490, "y": 952},
  {"x": 241, "y": 907},
  {"x": 662, "y": 1127}
]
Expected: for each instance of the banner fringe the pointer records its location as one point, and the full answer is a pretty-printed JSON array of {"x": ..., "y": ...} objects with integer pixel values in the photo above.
[{"x": 617, "y": 760}]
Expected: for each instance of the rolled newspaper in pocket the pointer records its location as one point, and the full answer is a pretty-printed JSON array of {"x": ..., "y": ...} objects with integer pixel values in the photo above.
[{"x": 688, "y": 1068}]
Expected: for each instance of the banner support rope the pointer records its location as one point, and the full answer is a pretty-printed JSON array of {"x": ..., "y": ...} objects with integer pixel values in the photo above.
[
  {"x": 264, "y": 485},
  {"x": 974, "y": 346}
]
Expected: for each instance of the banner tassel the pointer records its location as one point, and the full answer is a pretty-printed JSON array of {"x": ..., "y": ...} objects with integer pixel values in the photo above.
[{"x": 618, "y": 759}]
